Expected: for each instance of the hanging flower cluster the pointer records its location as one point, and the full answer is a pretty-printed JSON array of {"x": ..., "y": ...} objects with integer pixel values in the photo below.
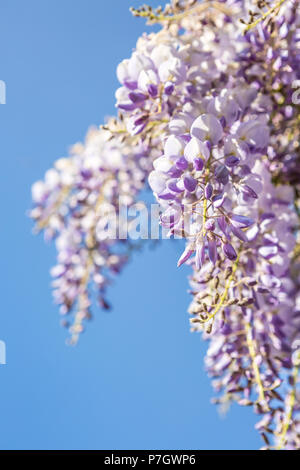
[
  {"x": 208, "y": 118},
  {"x": 78, "y": 204}
]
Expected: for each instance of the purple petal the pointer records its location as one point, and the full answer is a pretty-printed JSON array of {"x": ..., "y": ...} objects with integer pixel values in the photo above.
[
  {"x": 221, "y": 174},
  {"x": 208, "y": 190},
  {"x": 129, "y": 106},
  {"x": 191, "y": 89},
  {"x": 140, "y": 120},
  {"x": 200, "y": 256},
  {"x": 190, "y": 183},
  {"x": 169, "y": 88},
  {"x": 223, "y": 122},
  {"x": 241, "y": 221},
  {"x": 152, "y": 90},
  {"x": 231, "y": 161},
  {"x": 198, "y": 164},
  {"x": 223, "y": 225},
  {"x": 86, "y": 173},
  {"x": 166, "y": 196},
  {"x": 212, "y": 251},
  {"x": 175, "y": 172},
  {"x": 249, "y": 191},
  {"x": 229, "y": 251},
  {"x": 218, "y": 200},
  {"x": 172, "y": 185},
  {"x": 239, "y": 233},
  {"x": 185, "y": 256},
  {"x": 210, "y": 225},
  {"x": 181, "y": 163},
  {"x": 131, "y": 84},
  {"x": 137, "y": 96}
]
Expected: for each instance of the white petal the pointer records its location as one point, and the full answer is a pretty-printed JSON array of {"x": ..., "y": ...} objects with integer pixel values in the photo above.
[
  {"x": 157, "y": 181},
  {"x": 162, "y": 164},
  {"x": 192, "y": 150},
  {"x": 145, "y": 78},
  {"x": 207, "y": 127},
  {"x": 122, "y": 71},
  {"x": 52, "y": 178},
  {"x": 173, "y": 147},
  {"x": 38, "y": 190}
]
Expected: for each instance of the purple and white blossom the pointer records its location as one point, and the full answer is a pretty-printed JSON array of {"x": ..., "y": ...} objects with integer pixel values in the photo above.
[{"x": 205, "y": 117}]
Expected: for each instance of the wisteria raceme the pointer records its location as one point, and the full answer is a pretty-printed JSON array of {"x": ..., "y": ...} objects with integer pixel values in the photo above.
[
  {"x": 164, "y": 73},
  {"x": 252, "y": 308},
  {"x": 200, "y": 175},
  {"x": 78, "y": 203},
  {"x": 272, "y": 62},
  {"x": 208, "y": 114}
]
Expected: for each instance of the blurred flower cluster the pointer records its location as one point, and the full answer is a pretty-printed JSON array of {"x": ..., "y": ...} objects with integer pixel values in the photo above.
[{"x": 208, "y": 120}]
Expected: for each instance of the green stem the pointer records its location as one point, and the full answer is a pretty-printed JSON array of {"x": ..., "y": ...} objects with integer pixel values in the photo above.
[
  {"x": 252, "y": 351},
  {"x": 177, "y": 17},
  {"x": 290, "y": 407},
  {"x": 264, "y": 16},
  {"x": 223, "y": 297}
]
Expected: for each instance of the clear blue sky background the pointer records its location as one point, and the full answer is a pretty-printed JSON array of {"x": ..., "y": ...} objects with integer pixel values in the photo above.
[{"x": 136, "y": 380}]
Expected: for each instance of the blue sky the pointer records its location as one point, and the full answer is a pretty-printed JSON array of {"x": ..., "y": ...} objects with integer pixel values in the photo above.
[{"x": 136, "y": 379}]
